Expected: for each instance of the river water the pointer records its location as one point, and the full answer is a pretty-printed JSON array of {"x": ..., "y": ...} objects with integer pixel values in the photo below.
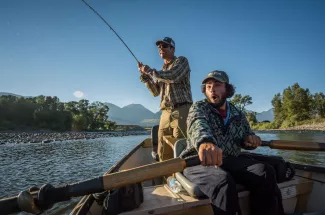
[{"x": 26, "y": 165}]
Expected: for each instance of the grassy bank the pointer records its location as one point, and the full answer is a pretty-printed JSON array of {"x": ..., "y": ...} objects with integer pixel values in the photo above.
[{"x": 312, "y": 124}]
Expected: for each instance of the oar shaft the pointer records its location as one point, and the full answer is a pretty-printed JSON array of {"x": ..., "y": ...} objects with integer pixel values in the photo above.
[
  {"x": 143, "y": 173},
  {"x": 294, "y": 145}
]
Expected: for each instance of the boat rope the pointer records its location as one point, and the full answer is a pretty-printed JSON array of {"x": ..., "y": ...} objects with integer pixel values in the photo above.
[
  {"x": 110, "y": 28},
  {"x": 323, "y": 182}
]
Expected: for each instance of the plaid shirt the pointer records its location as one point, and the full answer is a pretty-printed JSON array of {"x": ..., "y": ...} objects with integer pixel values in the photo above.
[{"x": 172, "y": 83}]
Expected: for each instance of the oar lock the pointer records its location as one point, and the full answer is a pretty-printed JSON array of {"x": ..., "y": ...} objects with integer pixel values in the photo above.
[{"x": 43, "y": 201}]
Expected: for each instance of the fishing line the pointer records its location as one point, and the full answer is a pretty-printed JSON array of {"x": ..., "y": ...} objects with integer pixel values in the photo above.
[{"x": 110, "y": 28}]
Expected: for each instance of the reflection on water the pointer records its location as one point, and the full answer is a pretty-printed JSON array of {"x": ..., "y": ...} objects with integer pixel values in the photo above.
[{"x": 25, "y": 165}]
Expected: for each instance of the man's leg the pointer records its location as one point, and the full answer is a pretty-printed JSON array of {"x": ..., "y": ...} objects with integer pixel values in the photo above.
[
  {"x": 164, "y": 129},
  {"x": 260, "y": 179},
  {"x": 216, "y": 184},
  {"x": 179, "y": 118}
]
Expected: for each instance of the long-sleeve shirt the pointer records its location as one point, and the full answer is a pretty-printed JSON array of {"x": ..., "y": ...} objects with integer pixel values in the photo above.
[
  {"x": 205, "y": 124},
  {"x": 172, "y": 83}
]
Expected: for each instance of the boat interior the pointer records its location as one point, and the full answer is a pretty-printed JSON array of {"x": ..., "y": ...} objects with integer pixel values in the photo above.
[{"x": 301, "y": 194}]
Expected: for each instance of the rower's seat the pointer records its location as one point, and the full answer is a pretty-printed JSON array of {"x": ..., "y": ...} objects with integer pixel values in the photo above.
[{"x": 192, "y": 189}]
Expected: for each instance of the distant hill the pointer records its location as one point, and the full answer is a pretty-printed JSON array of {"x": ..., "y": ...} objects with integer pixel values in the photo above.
[
  {"x": 133, "y": 114},
  {"x": 9, "y": 94},
  {"x": 265, "y": 115}
]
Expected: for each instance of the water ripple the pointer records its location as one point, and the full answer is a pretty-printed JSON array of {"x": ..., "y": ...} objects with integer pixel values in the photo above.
[{"x": 26, "y": 165}]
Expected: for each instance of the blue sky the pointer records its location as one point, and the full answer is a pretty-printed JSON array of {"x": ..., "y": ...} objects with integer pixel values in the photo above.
[{"x": 58, "y": 47}]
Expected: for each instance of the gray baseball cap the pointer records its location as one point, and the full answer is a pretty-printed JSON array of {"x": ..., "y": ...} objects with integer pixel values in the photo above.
[{"x": 217, "y": 75}]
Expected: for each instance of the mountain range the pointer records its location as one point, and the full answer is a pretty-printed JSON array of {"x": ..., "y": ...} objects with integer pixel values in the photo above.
[
  {"x": 137, "y": 114},
  {"x": 140, "y": 115}
]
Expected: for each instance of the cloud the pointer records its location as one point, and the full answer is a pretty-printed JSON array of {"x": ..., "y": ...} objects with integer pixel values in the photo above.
[{"x": 78, "y": 94}]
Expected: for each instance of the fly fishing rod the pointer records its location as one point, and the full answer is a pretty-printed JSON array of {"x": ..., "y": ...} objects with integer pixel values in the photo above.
[{"x": 110, "y": 28}]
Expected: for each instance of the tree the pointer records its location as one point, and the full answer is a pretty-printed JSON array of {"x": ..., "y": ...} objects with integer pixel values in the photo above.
[
  {"x": 241, "y": 101},
  {"x": 251, "y": 117},
  {"x": 318, "y": 105},
  {"x": 278, "y": 110}
]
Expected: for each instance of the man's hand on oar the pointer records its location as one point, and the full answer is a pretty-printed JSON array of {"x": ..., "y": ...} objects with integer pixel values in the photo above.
[{"x": 253, "y": 141}]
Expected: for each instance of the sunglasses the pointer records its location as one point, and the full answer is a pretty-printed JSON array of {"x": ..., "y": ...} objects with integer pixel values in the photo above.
[{"x": 163, "y": 45}]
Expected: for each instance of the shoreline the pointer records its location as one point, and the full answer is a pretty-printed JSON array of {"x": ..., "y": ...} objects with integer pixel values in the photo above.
[
  {"x": 314, "y": 127},
  {"x": 20, "y": 137}
]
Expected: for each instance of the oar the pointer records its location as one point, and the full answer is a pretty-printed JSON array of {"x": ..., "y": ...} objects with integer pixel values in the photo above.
[
  {"x": 294, "y": 145},
  {"x": 37, "y": 201}
]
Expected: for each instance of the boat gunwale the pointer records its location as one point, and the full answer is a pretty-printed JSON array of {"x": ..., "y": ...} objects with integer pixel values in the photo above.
[{"x": 309, "y": 167}]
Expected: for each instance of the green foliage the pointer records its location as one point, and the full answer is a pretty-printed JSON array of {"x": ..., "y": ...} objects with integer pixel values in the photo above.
[
  {"x": 251, "y": 117},
  {"x": 297, "y": 105},
  {"x": 48, "y": 112},
  {"x": 241, "y": 101},
  {"x": 264, "y": 126}
]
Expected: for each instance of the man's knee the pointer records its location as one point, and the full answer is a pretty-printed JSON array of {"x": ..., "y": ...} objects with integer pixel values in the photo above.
[{"x": 266, "y": 173}]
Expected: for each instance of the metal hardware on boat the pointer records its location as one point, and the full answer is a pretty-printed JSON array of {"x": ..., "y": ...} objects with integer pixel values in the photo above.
[{"x": 26, "y": 202}]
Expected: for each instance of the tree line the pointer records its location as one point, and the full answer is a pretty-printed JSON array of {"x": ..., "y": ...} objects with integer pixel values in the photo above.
[
  {"x": 295, "y": 106},
  {"x": 46, "y": 112}
]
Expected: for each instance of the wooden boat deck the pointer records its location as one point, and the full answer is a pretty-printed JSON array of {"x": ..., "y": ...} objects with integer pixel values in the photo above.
[{"x": 161, "y": 200}]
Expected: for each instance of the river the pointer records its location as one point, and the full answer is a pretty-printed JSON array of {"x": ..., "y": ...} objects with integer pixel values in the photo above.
[{"x": 26, "y": 165}]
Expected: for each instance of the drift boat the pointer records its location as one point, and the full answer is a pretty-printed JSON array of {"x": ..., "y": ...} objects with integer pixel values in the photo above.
[{"x": 304, "y": 193}]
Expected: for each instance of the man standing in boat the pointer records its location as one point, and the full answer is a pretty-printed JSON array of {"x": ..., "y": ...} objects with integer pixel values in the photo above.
[
  {"x": 172, "y": 83},
  {"x": 217, "y": 131}
]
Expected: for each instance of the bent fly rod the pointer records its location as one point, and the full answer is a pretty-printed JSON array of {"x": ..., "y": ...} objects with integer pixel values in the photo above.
[{"x": 110, "y": 28}]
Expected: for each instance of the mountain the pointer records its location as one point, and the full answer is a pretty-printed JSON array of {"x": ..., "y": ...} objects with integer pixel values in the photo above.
[
  {"x": 265, "y": 115},
  {"x": 9, "y": 94},
  {"x": 133, "y": 114}
]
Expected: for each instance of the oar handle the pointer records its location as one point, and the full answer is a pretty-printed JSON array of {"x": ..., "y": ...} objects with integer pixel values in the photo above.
[{"x": 48, "y": 195}]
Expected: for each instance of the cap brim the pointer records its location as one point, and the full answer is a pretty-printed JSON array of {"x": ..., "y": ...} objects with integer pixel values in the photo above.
[
  {"x": 217, "y": 79},
  {"x": 162, "y": 41}
]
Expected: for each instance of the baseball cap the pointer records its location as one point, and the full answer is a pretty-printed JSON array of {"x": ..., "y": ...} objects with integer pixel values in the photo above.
[
  {"x": 217, "y": 75},
  {"x": 166, "y": 40}
]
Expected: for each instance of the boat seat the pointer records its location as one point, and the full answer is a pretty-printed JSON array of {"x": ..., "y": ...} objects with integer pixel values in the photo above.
[{"x": 192, "y": 189}]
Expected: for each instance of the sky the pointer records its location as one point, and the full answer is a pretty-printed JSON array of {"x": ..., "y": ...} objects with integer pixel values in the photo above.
[{"x": 56, "y": 48}]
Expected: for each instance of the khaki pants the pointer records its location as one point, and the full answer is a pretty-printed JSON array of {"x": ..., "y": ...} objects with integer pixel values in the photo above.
[{"x": 172, "y": 122}]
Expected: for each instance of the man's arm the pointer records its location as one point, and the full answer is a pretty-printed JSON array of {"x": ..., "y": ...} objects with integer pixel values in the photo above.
[
  {"x": 153, "y": 86},
  {"x": 201, "y": 137},
  {"x": 175, "y": 74},
  {"x": 198, "y": 129}
]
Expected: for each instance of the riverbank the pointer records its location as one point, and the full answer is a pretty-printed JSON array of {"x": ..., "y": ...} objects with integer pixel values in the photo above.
[
  {"x": 319, "y": 127},
  {"x": 47, "y": 137}
]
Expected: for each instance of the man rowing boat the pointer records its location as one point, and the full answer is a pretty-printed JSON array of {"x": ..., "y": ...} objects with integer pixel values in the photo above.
[{"x": 217, "y": 131}]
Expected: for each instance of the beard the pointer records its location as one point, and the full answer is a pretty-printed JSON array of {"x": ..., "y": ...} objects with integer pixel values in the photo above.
[{"x": 218, "y": 102}]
